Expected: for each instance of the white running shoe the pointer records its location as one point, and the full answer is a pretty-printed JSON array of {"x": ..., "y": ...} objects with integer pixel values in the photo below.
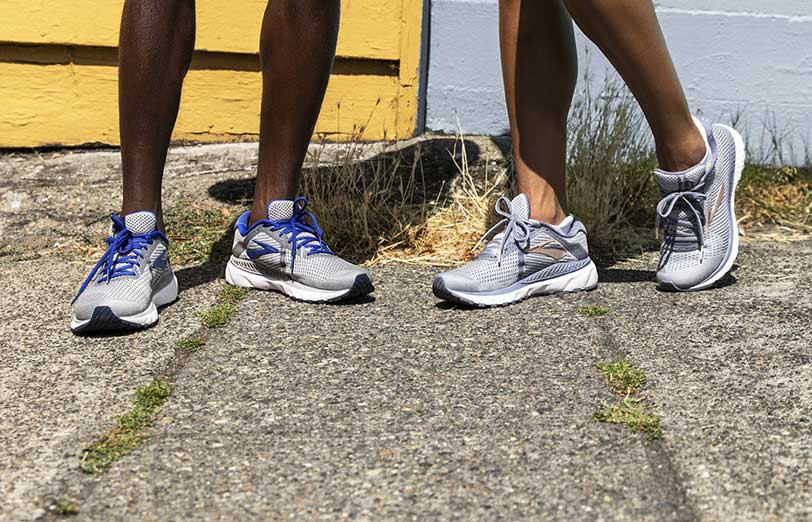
[
  {"x": 130, "y": 282},
  {"x": 286, "y": 253},
  {"x": 701, "y": 235},
  {"x": 527, "y": 258}
]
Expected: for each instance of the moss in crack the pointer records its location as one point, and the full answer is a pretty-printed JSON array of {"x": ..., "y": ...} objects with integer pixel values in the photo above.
[
  {"x": 622, "y": 377},
  {"x": 593, "y": 311},
  {"x": 221, "y": 313},
  {"x": 130, "y": 429},
  {"x": 231, "y": 294},
  {"x": 636, "y": 414},
  {"x": 633, "y": 410},
  {"x": 65, "y": 507},
  {"x": 191, "y": 344}
]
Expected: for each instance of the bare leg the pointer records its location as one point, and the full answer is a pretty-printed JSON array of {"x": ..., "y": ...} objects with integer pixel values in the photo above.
[
  {"x": 628, "y": 33},
  {"x": 155, "y": 49},
  {"x": 540, "y": 68},
  {"x": 297, "y": 48}
]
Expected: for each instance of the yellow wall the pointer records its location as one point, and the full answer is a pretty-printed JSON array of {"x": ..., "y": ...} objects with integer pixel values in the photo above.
[{"x": 58, "y": 78}]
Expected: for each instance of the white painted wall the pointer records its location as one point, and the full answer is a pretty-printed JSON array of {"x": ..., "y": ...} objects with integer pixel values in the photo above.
[{"x": 734, "y": 56}]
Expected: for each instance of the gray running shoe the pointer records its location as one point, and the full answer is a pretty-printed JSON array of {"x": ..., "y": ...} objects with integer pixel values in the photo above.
[
  {"x": 130, "y": 282},
  {"x": 701, "y": 236},
  {"x": 286, "y": 253},
  {"x": 527, "y": 258}
]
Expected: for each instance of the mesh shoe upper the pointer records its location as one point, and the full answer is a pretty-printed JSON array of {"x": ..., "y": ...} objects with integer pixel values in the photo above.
[
  {"x": 289, "y": 245},
  {"x": 134, "y": 265},
  {"x": 524, "y": 249},
  {"x": 696, "y": 212}
]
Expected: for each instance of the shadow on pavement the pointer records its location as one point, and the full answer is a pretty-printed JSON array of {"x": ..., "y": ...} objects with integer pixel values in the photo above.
[
  {"x": 437, "y": 159},
  {"x": 213, "y": 268},
  {"x": 622, "y": 275}
]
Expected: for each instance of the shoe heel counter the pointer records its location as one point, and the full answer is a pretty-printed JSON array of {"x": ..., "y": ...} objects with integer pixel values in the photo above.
[
  {"x": 579, "y": 240},
  {"x": 238, "y": 245}
]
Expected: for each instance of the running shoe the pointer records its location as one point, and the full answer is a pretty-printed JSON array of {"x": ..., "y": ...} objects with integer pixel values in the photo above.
[
  {"x": 701, "y": 235},
  {"x": 131, "y": 281},
  {"x": 286, "y": 253},
  {"x": 526, "y": 258}
]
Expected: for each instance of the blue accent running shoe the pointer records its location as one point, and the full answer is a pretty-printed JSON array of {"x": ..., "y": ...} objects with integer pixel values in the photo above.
[
  {"x": 286, "y": 253},
  {"x": 130, "y": 282},
  {"x": 526, "y": 258},
  {"x": 701, "y": 235}
]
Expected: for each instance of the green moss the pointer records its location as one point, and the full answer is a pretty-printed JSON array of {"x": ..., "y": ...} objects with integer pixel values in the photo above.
[
  {"x": 218, "y": 315},
  {"x": 635, "y": 414},
  {"x": 191, "y": 344},
  {"x": 633, "y": 411},
  {"x": 221, "y": 313},
  {"x": 66, "y": 507},
  {"x": 593, "y": 311},
  {"x": 622, "y": 377},
  {"x": 231, "y": 294},
  {"x": 130, "y": 428}
]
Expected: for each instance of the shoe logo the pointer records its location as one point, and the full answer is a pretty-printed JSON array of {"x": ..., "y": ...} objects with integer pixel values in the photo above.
[
  {"x": 550, "y": 249},
  {"x": 264, "y": 250},
  {"x": 714, "y": 210}
]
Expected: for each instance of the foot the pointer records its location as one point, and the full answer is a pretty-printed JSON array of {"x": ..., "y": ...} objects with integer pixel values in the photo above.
[
  {"x": 286, "y": 253},
  {"x": 527, "y": 258},
  {"x": 130, "y": 282},
  {"x": 701, "y": 236}
]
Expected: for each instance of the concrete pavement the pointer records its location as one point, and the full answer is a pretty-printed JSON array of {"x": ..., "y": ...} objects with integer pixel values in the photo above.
[{"x": 400, "y": 407}]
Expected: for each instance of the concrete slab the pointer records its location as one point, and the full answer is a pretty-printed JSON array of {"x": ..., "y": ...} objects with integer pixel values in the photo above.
[{"x": 396, "y": 408}]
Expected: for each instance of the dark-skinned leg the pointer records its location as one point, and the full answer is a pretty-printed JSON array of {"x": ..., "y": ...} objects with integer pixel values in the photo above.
[
  {"x": 155, "y": 50},
  {"x": 628, "y": 33},
  {"x": 297, "y": 48},
  {"x": 540, "y": 68}
]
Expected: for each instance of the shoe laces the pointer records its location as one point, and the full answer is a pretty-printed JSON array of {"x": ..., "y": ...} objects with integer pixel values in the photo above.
[
  {"x": 677, "y": 229},
  {"x": 124, "y": 253},
  {"x": 515, "y": 229},
  {"x": 690, "y": 203},
  {"x": 302, "y": 231}
]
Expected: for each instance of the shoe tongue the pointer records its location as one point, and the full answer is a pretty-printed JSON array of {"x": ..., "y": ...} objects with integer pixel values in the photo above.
[
  {"x": 679, "y": 181},
  {"x": 280, "y": 209},
  {"x": 521, "y": 207},
  {"x": 142, "y": 222}
]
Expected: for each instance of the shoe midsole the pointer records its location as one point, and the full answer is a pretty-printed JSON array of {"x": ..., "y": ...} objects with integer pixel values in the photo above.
[
  {"x": 238, "y": 276},
  {"x": 583, "y": 278}
]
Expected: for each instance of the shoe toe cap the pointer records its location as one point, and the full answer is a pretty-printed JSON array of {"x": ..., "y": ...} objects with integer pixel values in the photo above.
[
  {"x": 688, "y": 277},
  {"x": 342, "y": 280},
  {"x": 457, "y": 281},
  {"x": 85, "y": 307}
]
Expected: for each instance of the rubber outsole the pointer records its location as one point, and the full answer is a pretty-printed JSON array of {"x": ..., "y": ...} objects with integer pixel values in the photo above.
[{"x": 104, "y": 320}]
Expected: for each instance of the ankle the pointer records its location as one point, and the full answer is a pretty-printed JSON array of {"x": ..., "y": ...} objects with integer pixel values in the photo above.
[
  {"x": 259, "y": 211},
  {"x": 684, "y": 153},
  {"x": 550, "y": 212}
]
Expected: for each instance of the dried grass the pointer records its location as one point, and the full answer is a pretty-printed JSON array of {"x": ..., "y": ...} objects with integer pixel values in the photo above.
[{"x": 421, "y": 203}]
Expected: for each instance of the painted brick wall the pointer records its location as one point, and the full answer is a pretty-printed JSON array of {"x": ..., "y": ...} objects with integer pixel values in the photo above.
[
  {"x": 751, "y": 57},
  {"x": 58, "y": 65}
]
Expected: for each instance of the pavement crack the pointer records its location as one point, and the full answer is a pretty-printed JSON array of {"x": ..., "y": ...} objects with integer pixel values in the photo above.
[
  {"x": 667, "y": 477},
  {"x": 98, "y": 457}
]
